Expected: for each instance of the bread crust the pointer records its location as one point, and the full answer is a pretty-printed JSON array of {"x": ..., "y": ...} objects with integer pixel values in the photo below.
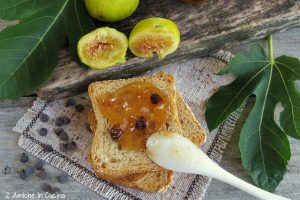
[
  {"x": 104, "y": 148},
  {"x": 146, "y": 182},
  {"x": 153, "y": 179}
]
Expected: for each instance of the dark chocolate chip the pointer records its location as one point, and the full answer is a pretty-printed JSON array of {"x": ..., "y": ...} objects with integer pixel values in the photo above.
[
  {"x": 62, "y": 178},
  {"x": 44, "y": 117},
  {"x": 70, "y": 102},
  {"x": 48, "y": 148},
  {"x": 116, "y": 133},
  {"x": 58, "y": 131},
  {"x": 79, "y": 107},
  {"x": 63, "y": 147},
  {"x": 141, "y": 124},
  {"x": 38, "y": 165},
  {"x": 155, "y": 98},
  {"x": 55, "y": 190},
  {"x": 43, "y": 132},
  {"x": 63, "y": 136},
  {"x": 59, "y": 121},
  {"x": 24, "y": 158},
  {"x": 43, "y": 175},
  {"x": 66, "y": 120},
  {"x": 6, "y": 170},
  {"x": 87, "y": 127},
  {"x": 46, "y": 187},
  {"x": 71, "y": 146},
  {"x": 29, "y": 170},
  {"x": 23, "y": 175}
]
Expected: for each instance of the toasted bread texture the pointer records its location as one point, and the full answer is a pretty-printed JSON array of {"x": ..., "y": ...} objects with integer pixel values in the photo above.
[
  {"x": 190, "y": 126},
  {"x": 141, "y": 173},
  {"x": 147, "y": 181},
  {"x": 106, "y": 155}
]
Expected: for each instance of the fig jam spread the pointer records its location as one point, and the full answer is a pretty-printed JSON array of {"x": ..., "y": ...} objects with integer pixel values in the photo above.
[{"x": 136, "y": 111}]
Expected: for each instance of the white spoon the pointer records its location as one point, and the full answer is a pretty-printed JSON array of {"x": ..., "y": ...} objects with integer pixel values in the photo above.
[{"x": 175, "y": 152}]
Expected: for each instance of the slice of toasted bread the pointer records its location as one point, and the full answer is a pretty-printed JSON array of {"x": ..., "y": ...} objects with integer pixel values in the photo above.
[
  {"x": 106, "y": 156},
  {"x": 190, "y": 126},
  {"x": 160, "y": 180},
  {"x": 147, "y": 181}
]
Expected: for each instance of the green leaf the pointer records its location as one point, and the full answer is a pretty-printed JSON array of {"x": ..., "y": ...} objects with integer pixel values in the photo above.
[
  {"x": 264, "y": 146},
  {"x": 29, "y": 50}
]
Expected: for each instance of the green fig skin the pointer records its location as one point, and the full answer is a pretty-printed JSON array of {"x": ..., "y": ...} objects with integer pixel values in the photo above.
[{"x": 111, "y": 10}]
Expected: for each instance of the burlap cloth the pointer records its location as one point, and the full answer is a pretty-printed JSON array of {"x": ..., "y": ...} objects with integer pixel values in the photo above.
[{"x": 196, "y": 82}]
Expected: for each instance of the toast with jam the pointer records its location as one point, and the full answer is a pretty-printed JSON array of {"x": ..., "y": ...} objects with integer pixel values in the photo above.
[
  {"x": 125, "y": 113},
  {"x": 147, "y": 181}
]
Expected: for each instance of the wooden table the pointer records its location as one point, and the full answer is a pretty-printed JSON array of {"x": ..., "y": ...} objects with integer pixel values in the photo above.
[{"x": 10, "y": 111}]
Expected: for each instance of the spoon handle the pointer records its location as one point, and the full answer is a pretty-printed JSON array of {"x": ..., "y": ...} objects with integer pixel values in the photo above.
[{"x": 214, "y": 171}]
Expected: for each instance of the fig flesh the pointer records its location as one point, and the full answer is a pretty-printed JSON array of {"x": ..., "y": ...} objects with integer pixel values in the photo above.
[
  {"x": 102, "y": 48},
  {"x": 154, "y": 35}
]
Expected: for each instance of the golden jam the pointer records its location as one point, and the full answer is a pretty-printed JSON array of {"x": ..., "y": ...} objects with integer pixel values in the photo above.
[{"x": 135, "y": 111}]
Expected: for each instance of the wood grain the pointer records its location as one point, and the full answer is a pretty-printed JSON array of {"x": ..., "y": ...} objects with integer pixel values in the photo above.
[
  {"x": 10, "y": 165},
  {"x": 204, "y": 27},
  {"x": 10, "y": 111}
]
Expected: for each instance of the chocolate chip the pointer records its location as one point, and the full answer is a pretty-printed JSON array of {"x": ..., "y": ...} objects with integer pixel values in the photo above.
[
  {"x": 70, "y": 102},
  {"x": 116, "y": 133},
  {"x": 43, "y": 132},
  {"x": 141, "y": 124},
  {"x": 43, "y": 175},
  {"x": 23, "y": 175},
  {"x": 71, "y": 146},
  {"x": 54, "y": 190},
  {"x": 79, "y": 107},
  {"x": 66, "y": 120},
  {"x": 6, "y": 170},
  {"x": 155, "y": 98},
  {"x": 48, "y": 148},
  {"x": 87, "y": 127},
  {"x": 63, "y": 147},
  {"x": 46, "y": 187},
  {"x": 59, "y": 121},
  {"x": 44, "y": 117},
  {"x": 63, "y": 136},
  {"x": 38, "y": 165},
  {"x": 29, "y": 170},
  {"x": 58, "y": 131},
  {"x": 62, "y": 178},
  {"x": 24, "y": 158}
]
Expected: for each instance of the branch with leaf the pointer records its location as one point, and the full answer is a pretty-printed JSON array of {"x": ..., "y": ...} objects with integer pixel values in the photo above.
[{"x": 264, "y": 145}]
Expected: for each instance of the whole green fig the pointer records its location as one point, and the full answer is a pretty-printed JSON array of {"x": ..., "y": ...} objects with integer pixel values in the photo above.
[{"x": 111, "y": 10}]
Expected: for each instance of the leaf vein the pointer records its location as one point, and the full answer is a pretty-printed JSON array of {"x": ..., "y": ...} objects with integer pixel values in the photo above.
[
  {"x": 29, "y": 54},
  {"x": 230, "y": 103},
  {"x": 289, "y": 97}
]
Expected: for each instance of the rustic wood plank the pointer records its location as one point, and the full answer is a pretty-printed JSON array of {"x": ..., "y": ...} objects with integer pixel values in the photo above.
[{"x": 204, "y": 28}]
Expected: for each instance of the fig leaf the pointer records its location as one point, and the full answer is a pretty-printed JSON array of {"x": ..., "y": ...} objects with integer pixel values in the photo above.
[
  {"x": 264, "y": 145},
  {"x": 29, "y": 49}
]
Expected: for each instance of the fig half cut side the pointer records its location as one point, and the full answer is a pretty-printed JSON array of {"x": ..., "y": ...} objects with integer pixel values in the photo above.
[
  {"x": 154, "y": 36},
  {"x": 102, "y": 48}
]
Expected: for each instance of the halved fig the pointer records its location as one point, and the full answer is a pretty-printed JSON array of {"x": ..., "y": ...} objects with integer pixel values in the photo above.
[
  {"x": 154, "y": 35},
  {"x": 102, "y": 48}
]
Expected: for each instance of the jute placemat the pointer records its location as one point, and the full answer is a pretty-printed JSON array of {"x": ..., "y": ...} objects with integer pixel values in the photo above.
[{"x": 196, "y": 82}]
